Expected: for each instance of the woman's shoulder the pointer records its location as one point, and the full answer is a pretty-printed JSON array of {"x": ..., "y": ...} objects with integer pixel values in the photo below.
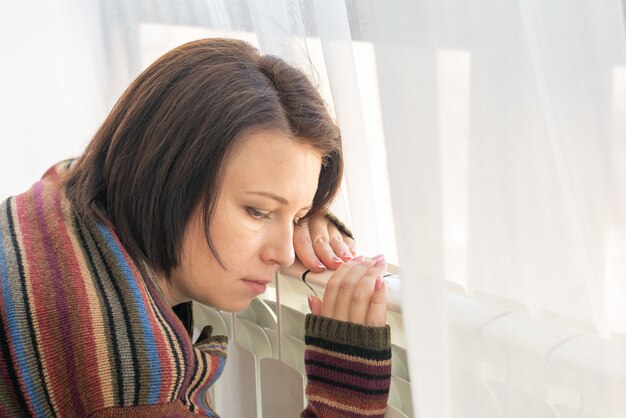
[{"x": 82, "y": 328}]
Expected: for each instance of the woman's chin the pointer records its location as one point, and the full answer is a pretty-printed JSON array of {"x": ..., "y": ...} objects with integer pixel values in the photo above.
[{"x": 230, "y": 305}]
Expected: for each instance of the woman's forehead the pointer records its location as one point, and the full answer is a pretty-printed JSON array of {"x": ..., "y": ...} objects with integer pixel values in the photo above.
[{"x": 272, "y": 162}]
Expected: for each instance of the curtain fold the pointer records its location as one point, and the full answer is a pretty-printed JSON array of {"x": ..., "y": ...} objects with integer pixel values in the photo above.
[{"x": 407, "y": 68}]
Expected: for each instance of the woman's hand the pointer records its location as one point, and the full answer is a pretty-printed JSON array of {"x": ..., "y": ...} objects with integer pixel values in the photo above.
[
  {"x": 355, "y": 293},
  {"x": 320, "y": 245}
]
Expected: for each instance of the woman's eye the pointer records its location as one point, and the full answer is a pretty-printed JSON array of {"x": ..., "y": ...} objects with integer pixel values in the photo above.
[{"x": 257, "y": 214}]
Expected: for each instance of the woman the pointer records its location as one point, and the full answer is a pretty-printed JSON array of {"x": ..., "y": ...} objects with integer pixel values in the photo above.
[{"x": 190, "y": 190}]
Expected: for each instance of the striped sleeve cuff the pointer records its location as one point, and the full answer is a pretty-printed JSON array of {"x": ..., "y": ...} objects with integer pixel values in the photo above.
[
  {"x": 348, "y": 333},
  {"x": 348, "y": 368}
]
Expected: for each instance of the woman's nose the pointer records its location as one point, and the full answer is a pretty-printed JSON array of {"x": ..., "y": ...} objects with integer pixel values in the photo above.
[{"x": 279, "y": 246}]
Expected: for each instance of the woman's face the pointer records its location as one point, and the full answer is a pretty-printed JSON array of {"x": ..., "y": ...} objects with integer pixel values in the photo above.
[{"x": 269, "y": 183}]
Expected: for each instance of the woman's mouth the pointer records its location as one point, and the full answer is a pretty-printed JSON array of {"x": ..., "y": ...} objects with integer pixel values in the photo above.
[{"x": 257, "y": 286}]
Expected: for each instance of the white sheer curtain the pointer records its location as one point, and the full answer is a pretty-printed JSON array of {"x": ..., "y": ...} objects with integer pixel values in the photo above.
[
  {"x": 51, "y": 84},
  {"x": 504, "y": 123},
  {"x": 495, "y": 129}
]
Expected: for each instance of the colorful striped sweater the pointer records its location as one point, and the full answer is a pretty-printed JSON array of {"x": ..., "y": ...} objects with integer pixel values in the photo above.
[{"x": 85, "y": 330}]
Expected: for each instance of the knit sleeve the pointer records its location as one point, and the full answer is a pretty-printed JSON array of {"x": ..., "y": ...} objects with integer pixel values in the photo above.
[{"x": 348, "y": 368}]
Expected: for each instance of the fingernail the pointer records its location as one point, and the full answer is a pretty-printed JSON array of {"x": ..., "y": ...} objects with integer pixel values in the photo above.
[
  {"x": 353, "y": 250},
  {"x": 347, "y": 255},
  {"x": 336, "y": 259},
  {"x": 319, "y": 264},
  {"x": 378, "y": 257},
  {"x": 358, "y": 258},
  {"x": 380, "y": 262},
  {"x": 310, "y": 303},
  {"x": 377, "y": 285}
]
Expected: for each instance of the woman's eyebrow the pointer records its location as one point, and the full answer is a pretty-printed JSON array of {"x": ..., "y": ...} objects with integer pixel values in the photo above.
[{"x": 275, "y": 197}]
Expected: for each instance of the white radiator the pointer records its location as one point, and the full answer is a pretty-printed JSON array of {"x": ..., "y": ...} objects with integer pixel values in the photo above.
[{"x": 503, "y": 361}]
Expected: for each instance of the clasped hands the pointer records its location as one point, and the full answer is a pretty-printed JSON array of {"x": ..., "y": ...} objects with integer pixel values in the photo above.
[{"x": 356, "y": 291}]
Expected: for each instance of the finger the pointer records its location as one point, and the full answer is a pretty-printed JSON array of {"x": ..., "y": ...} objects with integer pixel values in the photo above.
[
  {"x": 347, "y": 288},
  {"x": 351, "y": 245},
  {"x": 361, "y": 298},
  {"x": 332, "y": 287},
  {"x": 318, "y": 229},
  {"x": 315, "y": 304},
  {"x": 380, "y": 265},
  {"x": 377, "y": 313},
  {"x": 303, "y": 247},
  {"x": 335, "y": 239}
]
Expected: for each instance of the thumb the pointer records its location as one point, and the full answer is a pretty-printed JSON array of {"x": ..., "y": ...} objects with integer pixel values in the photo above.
[
  {"x": 377, "y": 314},
  {"x": 315, "y": 304}
]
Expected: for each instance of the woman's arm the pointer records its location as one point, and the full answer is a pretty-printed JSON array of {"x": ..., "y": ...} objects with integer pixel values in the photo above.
[
  {"x": 348, "y": 345},
  {"x": 323, "y": 242}
]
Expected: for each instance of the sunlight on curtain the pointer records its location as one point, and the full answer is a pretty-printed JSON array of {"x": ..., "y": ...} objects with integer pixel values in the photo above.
[
  {"x": 509, "y": 117},
  {"x": 453, "y": 101},
  {"x": 366, "y": 174},
  {"x": 49, "y": 107},
  {"x": 615, "y": 284}
]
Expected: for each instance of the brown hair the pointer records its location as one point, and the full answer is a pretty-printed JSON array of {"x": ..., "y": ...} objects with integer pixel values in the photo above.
[{"x": 160, "y": 152}]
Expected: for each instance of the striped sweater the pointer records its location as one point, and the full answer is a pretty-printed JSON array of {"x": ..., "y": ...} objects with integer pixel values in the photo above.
[{"x": 85, "y": 330}]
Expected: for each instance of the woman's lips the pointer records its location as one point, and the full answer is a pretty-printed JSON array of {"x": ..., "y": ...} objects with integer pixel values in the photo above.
[{"x": 257, "y": 286}]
